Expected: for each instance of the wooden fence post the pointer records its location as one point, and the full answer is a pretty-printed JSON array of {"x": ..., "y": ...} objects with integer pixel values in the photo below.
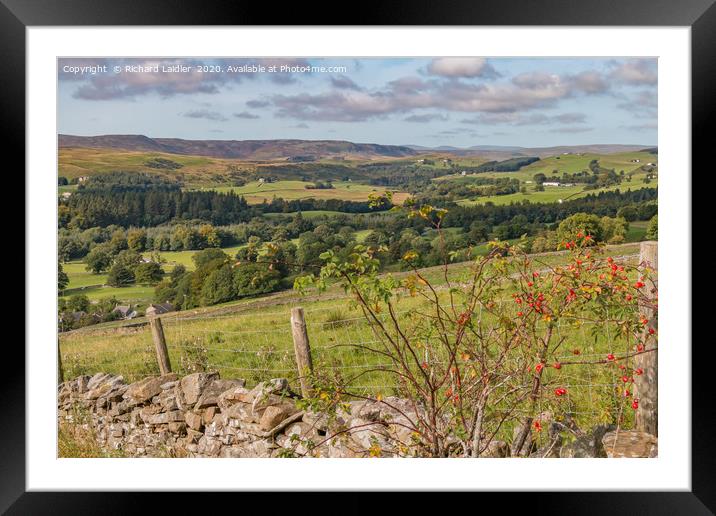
[
  {"x": 302, "y": 350},
  {"x": 160, "y": 343},
  {"x": 646, "y": 385}
]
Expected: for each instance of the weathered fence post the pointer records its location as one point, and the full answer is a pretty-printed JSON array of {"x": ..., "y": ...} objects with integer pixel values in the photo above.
[
  {"x": 302, "y": 350},
  {"x": 646, "y": 385},
  {"x": 160, "y": 343}
]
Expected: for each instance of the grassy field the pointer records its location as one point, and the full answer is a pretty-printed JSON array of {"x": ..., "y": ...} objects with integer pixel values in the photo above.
[
  {"x": 565, "y": 163},
  {"x": 93, "y": 285},
  {"x": 251, "y": 339},
  {"x": 256, "y": 193},
  {"x": 75, "y": 162},
  {"x": 555, "y": 193}
]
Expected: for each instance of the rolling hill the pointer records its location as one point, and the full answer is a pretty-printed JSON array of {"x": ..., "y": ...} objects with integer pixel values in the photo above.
[{"x": 250, "y": 150}]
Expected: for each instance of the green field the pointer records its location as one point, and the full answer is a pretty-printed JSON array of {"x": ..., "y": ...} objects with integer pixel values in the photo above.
[
  {"x": 251, "y": 339},
  {"x": 256, "y": 192},
  {"x": 570, "y": 163},
  {"x": 93, "y": 285}
]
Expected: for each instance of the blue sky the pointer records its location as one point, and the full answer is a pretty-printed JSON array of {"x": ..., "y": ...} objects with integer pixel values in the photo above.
[{"x": 460, "y": 102}]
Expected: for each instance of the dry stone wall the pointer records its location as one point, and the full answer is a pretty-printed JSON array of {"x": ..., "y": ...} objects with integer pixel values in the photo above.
[{"x": 203, "y": 415}]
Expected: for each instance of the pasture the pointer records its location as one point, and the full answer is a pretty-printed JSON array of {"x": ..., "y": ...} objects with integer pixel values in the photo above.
[
  {"x": 251, "y": 339},
  {"x": 257, "y": 192}
]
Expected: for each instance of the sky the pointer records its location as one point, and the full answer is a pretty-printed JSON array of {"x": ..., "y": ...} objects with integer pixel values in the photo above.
[{"x": 432, "y": 102}]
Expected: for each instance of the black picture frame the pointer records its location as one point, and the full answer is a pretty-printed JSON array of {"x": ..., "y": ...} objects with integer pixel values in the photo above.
[{"x": 700, "y": 15}]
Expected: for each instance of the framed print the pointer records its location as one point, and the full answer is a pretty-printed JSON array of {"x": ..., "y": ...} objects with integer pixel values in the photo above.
[{"x": 417, "y": 254}]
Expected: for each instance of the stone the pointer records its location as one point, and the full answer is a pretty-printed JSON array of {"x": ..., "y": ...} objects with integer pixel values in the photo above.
[
  {"x": 586, "y": 446},
  {"x": 193, "y": 436},
  {"x": 210, "y": 395},
  {"x": 274, "y": 414},
  {"x": 208, "y": 414},
  {"x": 193, "y": 386},
  {"x": 177, "y": 427},
  {"x": 241, "y": 411},
  {"x": 167, "y": 400},
  {"x": 365, "y": 410},
  {"x": 365, "y": 433},
  {"x": 231, "y": 396},
  {"x": 496, "y": 449},
  {"x": 146, "y": 389},
  {"x": 265, "y": 391},
  {"x": 630, "y": 444},
  {"x": 165, "y": 417},
  {"x": 193, "y": 421},
  {"x": 169, "y": 385},
  {"x": 81, "y": 384}
]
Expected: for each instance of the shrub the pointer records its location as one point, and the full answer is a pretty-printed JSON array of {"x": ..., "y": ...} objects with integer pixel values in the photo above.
[{"x": 487, "y": 352}]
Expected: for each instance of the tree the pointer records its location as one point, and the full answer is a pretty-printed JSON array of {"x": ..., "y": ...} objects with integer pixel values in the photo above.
[
  {"x": 539, "y": 178},
  {"x": 137, "y": 240},
  {"x": 614, "y": 229},
  {"x": 628, "y": 213},
  {"x": 210, "y": 236},
  {"x": 62, "y": 279},
  {"x": 218, "y": 286},
  {"x": 652, "y": 230},
  {"x": 120, "y": 276},
  {"x": 255, "y": 278},
  {"x": 148, "y": 273},
  {"x": 205, "y": 256},
  {"x": 128, "y": 259},
  {"x": 118, "y": 242},
  {"x": 78, "y": 303},
  {"x": 99, "y": 259},
  {"x": 585, "y": 223}
]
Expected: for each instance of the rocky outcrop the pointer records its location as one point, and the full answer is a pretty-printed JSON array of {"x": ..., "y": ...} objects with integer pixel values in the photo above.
[{"x": 203, "y": 415}]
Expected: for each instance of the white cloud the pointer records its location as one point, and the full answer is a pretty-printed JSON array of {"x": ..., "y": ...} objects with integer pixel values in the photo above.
[{"x": 465, "y": 67}]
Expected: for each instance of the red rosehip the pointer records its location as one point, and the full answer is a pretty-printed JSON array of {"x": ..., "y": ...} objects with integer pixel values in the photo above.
[
  {"x": 610, "y": 356},
  {"x": 635, "y": 404},
  {"x": 538, "y": 426},
  {"x": 625, "y": 379},
  {"x": 557, "y": 365},
  {"x": 652, "y": 331},
  {"x": 639, "y": 371},
  {"x": 539, "y": 367}
]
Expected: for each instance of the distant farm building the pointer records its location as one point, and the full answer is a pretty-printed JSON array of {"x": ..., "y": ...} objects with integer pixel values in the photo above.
[
  {"x": 550, "y": 183},
  {"x": 161, "y": 308},
  {"x": 125, "y": 311}
]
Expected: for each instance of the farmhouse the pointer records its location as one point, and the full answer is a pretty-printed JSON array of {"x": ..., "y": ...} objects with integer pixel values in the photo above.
[
  {"x": 125, "y": 311},
  {"x": 161, "y": 308},
  {"x": 550, "y": 183}
]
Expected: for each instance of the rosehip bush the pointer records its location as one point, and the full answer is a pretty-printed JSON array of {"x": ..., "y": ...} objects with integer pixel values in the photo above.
[{"x": 494, "y": 349}]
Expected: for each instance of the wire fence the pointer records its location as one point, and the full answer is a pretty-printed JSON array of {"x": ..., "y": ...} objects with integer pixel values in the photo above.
[{"x": 343, "y": 343}]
